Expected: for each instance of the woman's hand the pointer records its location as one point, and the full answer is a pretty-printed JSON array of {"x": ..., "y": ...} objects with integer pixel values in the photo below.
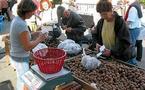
[
  {"x": 107, "y": 52},
  {"x": 42, "y": 36},
  {"x": 97, "y": 47}
]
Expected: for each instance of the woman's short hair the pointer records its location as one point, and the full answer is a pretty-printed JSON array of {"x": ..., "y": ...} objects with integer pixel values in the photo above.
[
  {"x": 104, "y": 6},
  {"x": 26, "y": 6}
]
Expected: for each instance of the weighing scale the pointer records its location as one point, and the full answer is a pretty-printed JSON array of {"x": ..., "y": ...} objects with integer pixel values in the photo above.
[{"x": 36, "y": 80}]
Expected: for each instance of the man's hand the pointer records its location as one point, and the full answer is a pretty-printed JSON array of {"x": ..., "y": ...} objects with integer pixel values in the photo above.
[
  {"x": 92, "y": 30},
  {"x": 64, "y": 27},
  {"x": 68, "y": 29}
]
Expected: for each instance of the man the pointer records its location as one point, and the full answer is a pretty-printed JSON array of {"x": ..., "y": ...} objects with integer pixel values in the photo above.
[
  {"x": 74, "y": 25},
  {"x": 133, "y": 17}
]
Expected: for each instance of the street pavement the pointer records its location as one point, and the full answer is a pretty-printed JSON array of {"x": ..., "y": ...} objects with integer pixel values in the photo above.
[{"x": 6, "y": 71}]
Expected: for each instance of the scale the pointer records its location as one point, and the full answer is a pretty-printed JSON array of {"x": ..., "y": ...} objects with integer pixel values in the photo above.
[{"x": 36, "y": 80}]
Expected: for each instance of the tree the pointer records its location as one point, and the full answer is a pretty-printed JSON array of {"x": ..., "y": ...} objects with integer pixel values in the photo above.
[
  {"x": 142, "y": 2},
  {"x": 57, "y": 1}
]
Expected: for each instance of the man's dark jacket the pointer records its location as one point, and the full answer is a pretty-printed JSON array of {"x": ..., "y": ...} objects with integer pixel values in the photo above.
[
  {"x": 77, "y": 24},
  {"x": 122, "y": 49}
]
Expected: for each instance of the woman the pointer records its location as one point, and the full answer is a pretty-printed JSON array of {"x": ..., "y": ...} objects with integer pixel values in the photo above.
[
  {"x": 20, "y": 39},
  {"x": 112, "y": 32}
]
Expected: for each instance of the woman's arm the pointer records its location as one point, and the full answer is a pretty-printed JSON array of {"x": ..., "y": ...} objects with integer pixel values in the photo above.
[{"x": 27, "y": 43}]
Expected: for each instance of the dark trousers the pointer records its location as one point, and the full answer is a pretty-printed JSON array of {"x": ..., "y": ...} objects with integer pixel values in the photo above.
[{"x": 139, "y": 49}]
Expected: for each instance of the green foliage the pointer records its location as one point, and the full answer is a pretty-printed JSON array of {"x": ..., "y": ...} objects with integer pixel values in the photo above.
[
  {"x": 57, "y": 1},
  {"x": 142, "y": 1}
]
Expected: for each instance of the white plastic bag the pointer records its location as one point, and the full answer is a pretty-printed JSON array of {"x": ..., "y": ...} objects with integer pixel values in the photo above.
[
  {"x": 64, "y": 43},
  {"x": 38, "y": 47},
  {"x": 48, "y": 28},
  {"x": 44, "y": 31},
  {"x": 89, "y": 62},
  {"x": 72, "y": 48}
]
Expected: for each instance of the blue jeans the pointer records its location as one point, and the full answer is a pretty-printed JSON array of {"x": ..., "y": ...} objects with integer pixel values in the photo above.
[
  {"x": 21, "y": 64},
  {"x": 133, "y": 37}
]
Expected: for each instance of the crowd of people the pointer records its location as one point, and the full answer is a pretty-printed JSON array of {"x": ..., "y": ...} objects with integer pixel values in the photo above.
[{"x": 118, "y": 34}]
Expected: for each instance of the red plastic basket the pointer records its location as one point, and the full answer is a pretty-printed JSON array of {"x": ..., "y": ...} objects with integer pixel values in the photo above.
[{"x": 50, "y": 60}]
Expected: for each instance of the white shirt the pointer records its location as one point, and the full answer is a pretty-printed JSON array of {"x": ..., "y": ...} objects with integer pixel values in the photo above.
[
  {"x": 48, "y": 16},
  {"x": 133, "y": 19}
]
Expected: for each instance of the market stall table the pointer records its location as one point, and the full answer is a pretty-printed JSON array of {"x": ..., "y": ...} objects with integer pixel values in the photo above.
[
  {"x": 111, "y": 75},
  {"x": 34, "y": 78}
]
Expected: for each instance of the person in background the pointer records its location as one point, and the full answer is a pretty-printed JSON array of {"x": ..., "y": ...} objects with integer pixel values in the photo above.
[
  {"x": 53, "y": 11},
  {"x": 72, "y": 6},
  {"x": 11, "y": 3},
  {"x": 133, "y": 18},
  {"x": 64, "y": 3},
  {"x": 73, "y": 24},
  {"x": 14, "y": 8},
  {"x": 124, "y": 6},
  {"x": 112, "y": 32},
  {"x": 4, "y": 8},
  {"x": 20, "y": 39},
  {"x": 48, "y": 13}
]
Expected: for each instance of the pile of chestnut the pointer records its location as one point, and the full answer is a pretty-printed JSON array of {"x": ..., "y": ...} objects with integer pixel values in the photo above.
[{"x": 110, "y": 75}]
